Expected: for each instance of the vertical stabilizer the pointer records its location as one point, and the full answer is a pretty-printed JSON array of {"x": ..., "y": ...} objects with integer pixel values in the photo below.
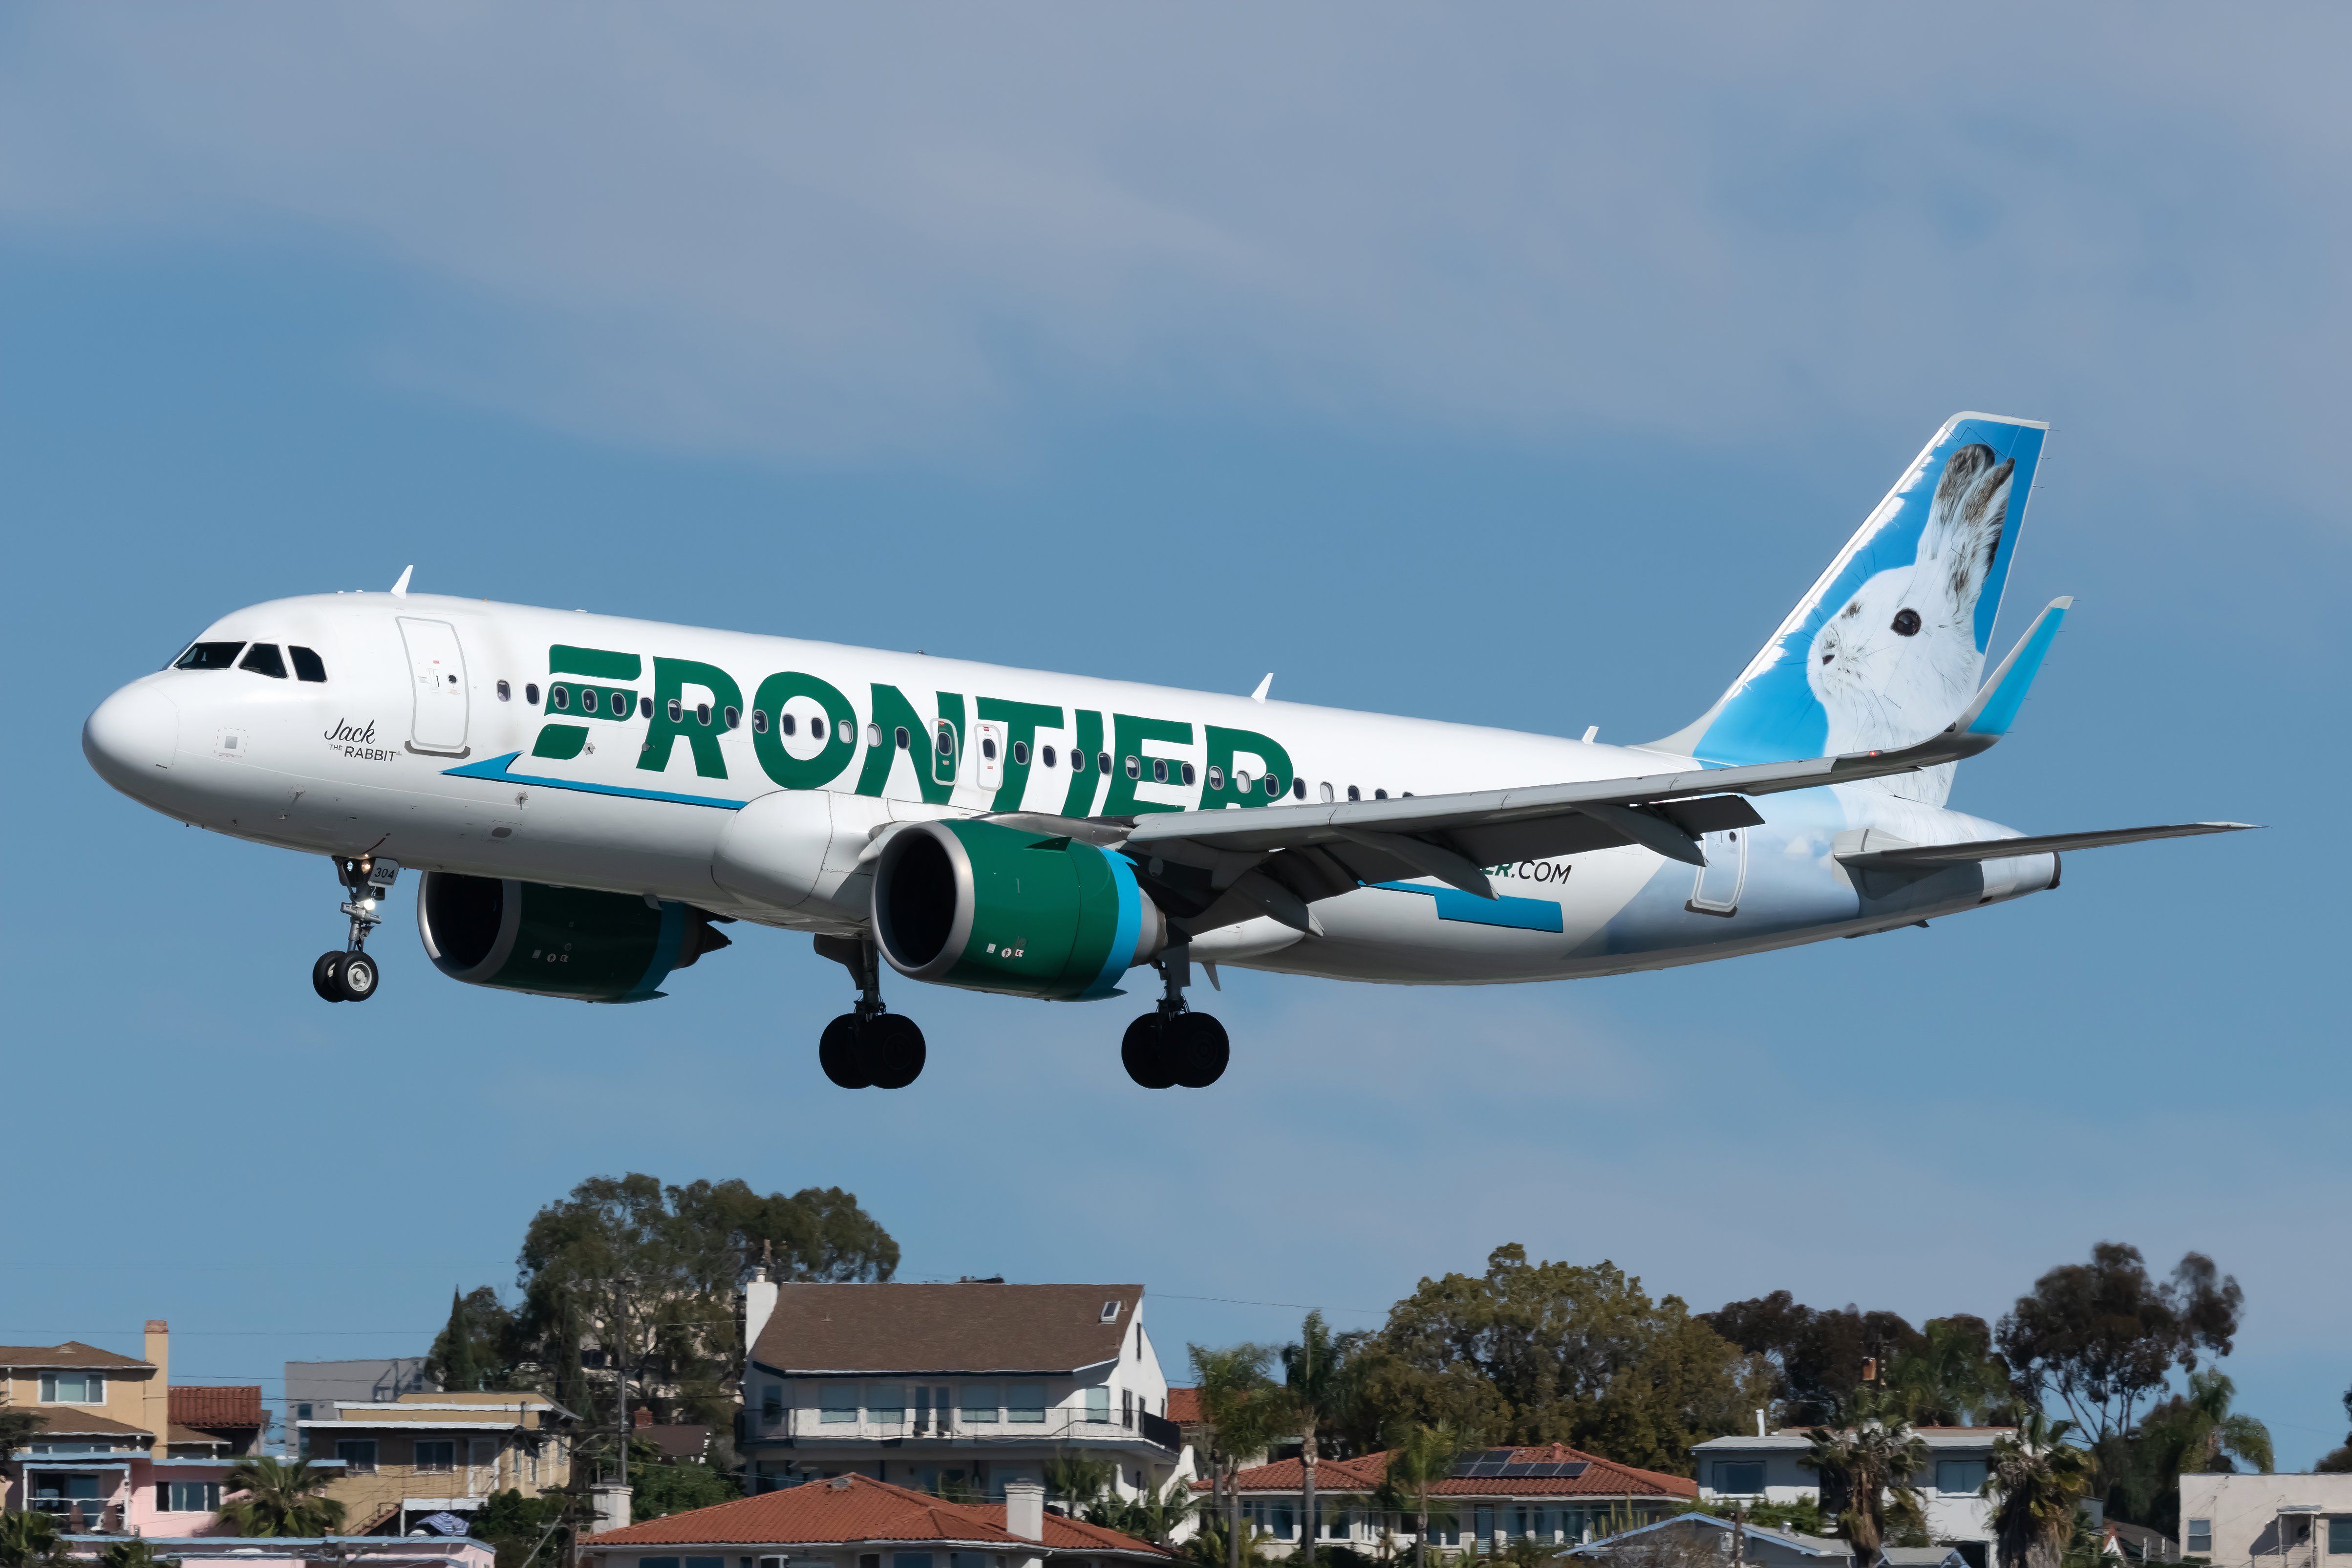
[{"x": 1888, "y": 646}]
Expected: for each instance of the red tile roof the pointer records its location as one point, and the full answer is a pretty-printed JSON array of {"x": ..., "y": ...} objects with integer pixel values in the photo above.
[
  {"x": 1601, "y": 1477},
  {"x": 1184, "y": 1405},
  {"x": 229, "y": 1406},
  {"x": 856, "y": 1508},
  {"x": 976, "y": 1326},
  {"x": 73, "y": 1352}
]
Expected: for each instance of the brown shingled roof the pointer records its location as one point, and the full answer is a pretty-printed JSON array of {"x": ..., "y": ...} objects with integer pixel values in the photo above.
[
  {"x": 72, "y": 1353},
  {"x": 1601, "y": 1477},
  {"x": 236, "y": 1405},
  {"x": 67, "y": 1422},
  {"x": 856, "y": 1508},
  {"x": 964, "y": 1328}
]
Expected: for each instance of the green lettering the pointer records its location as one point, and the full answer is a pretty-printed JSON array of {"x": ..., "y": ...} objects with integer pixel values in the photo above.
[
  {"x": 768, "y": 744},
  {"x": 1129, "y": 733},
  {"x": 596, "y": 663},
  {"x": 1084, "y": 781},
  {"x": 1266, "y": 760},
  {"x": 893, "y": 712},
  {"x": 1022, "y": 722},
  {"x": 671, "y": 678}
]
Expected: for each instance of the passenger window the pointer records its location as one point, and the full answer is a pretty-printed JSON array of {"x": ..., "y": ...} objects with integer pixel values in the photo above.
[
  {"x": 789, "y": 725},
  {"x": 1188, "y": 773},
  {"x": 1047, "y": 756},
  {"x": 1327, "y": 792},
  {"x": 1216, "y": 777},
  {"x": 1354, "y": 794},
  {"x": 904, "y": 739},
  {"x": 987, "y": 746},
  {"x": 209, "y": 656},
  {"x": 758, "y": 720},
  {"x": 506, "y": 692},
  {"x": 560, "y": 698},
  {"x": 263, "y": 658},
  {"x": 1020, "y": 754},
  {"x": 308, "y": 666},
  {"x": 530, "y": 692},
  {"x": 675, "y": 710},
  {"x": 1297, "y": 787},
  {"x": 702, "y": 714},
  {"x": 734, "y": 718},
  {"x": 587, "y": 699},
  {"x": 644, "y": 707},
  {"x": 1102, "y": 762},
  {"x": 847, "y": 731},
  {"x": 947, "y": 740},
  {"x": 1380, "y": 794}
]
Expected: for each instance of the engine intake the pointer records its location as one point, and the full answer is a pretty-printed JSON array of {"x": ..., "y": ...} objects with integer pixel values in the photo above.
[
  {"x": 557, "y": 942},
  {"x": 990, "y": 908}
]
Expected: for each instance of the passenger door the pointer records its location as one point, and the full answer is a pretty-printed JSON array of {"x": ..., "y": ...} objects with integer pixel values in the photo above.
[
  {"x": 436, "y": 668},
  {"x": 988, "y": 735}
]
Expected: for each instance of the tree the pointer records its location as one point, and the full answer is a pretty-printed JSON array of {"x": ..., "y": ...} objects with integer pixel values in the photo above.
[
  {"x": 30, "y": 1540},
  {"x": 2339, "y": 1460},
  {"x": 2037, "y": 1480},
  {"x": 276, "y": 1497},
  {"x": 1865, "y": 1464},
  {"x": 1422, "y": 1457},
  {"x": 1212, "y": 1546},
  {"x": 1323, "y": 1382},
  {"x": 1154, "y": 1516},
  {"x": 460, "y": 1358},
  {"x": 2191, "y": 1432},
  {"x": 132, "y": 1552},
  {"x": 524, "y": 1529},
  {"x": 16, "y": 1429},
  {"x": 1950, "y": 1376},
  {"x": 2103, "y": 1336},
  {"x": 1818, "y": 1355},
  {"x": 1244, "y": 1411},
  {"x": 1078, "y": 1479},
  {"x": 1546, "y": 1353},
  {"x": 661, "y": 1487}
]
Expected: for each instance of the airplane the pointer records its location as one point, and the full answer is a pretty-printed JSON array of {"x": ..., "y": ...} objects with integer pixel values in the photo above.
[{"x": 589, "y": 798}]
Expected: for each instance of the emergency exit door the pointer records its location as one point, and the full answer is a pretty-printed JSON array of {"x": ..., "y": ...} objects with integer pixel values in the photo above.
[
  {"x": 1717, "y": 890},
  {"x": 436, "y": 670}
]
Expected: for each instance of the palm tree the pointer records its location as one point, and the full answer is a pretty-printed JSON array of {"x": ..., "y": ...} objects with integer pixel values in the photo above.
[
  {"x": 1952, "y": 1377},
  {"x": 2037, "y": 1479},
  {"x": 1078, "y": 1479},
  {"x": 1321, "y": 1382},
  {"x": 133, "y": 1553},
  {"x": 275, "y": 1498},
  {"x": 2191, "y": 1432},
  {"x": 1245, "y": 1411},
  {"x": 1422, "y": 1457},
  {"x": 1210, "y": 1547},
  {"x": 1154, "y": 1516},
  {"x": 30, "y": 1540},
  {"x": 1866, "y": 1467}
]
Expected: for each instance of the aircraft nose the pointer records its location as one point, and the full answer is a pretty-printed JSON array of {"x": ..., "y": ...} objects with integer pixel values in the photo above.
[{"x": 132, "y": 733}]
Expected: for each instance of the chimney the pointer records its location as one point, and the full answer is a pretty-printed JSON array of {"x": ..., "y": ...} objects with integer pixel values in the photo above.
[
  {"x": 608, "y": 1506},
  {"x": 1759, "y": 1424},
  {"x": 759, "y": 1305},
  {"x": 157, "y": 1406},
  {"x": 1025, "y": 1509}
]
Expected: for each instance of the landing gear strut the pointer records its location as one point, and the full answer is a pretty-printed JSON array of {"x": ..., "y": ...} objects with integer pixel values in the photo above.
[
  {"x": 351, "y": 975},
  {"x": 867, "y": 1047},
  {"x": 1173, "y": 1045}
]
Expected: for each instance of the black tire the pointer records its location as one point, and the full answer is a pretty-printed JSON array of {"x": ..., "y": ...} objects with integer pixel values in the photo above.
[
  {"x": 842, "y": 1054},
  {"x": 323, "y": 977},
  {"x": 894, "y": 1051},
  {"x": 355, "y": 977},
  {"x": 1194, "y": 1046},
  {"x": 1140, "y": 1054}
]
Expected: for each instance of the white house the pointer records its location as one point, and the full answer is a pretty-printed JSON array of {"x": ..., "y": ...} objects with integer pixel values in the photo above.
[
  {"x": 952, "y": 1388},
  {"x": 2267, "y": 1521},
  {"x": 1766, "y": 1465},
  {"x": 1696, "y": 1540}
]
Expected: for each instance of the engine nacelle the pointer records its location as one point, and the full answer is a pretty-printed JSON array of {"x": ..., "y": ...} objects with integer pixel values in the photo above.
[
  {"x": 557, "y": 942},
  {"x": 991, "y": 908}
]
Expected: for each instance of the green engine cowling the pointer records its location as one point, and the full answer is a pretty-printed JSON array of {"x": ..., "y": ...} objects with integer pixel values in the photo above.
[
  {"x": 557, "y": 942},
  {"x": 991, "y": 908}
]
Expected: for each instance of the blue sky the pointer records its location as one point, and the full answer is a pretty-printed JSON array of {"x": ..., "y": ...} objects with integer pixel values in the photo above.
[{"x": 1519, "y": 368}]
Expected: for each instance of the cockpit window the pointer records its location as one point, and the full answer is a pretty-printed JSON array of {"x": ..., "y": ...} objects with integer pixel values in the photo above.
[
  {"x": 263, "y": 658},
  {"x": 307, "y": 666},
  {"x": 209, "y": 656}
]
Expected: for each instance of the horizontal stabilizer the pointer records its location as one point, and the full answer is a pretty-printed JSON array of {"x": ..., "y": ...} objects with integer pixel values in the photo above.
[{"x": 1866, "y": 856}]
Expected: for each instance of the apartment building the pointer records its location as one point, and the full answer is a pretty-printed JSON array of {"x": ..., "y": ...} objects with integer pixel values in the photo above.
[
  {"x": 2267, "y": 1521},
  {"x": 960, "y": 1389},
  {"x": 422, "y": 1453},
  {"x": 1769, "y": 1467}
]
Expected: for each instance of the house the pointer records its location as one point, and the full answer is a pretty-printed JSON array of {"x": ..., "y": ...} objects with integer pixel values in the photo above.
[
  {"x": 2267, "y": 1521},
  {"x": 2138, "y": 1544},
  {"x": 299, "y": 1551},
  {"x": 112, "y": 1454},
  {"x": 678, "y": 1443},
  {"x": 1704, "y": 1540},
  {"x": 855, "y": 1522},
  {"x": 436, "y": 1453},
  {"x": 1767, "y": 1467},
  {"x": 959, "y": 1388},
  {"x": 311, "y": 1386},
  {"x": 1551, "y": 1495}
]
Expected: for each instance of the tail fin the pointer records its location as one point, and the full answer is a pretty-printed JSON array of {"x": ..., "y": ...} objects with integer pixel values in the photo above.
[{"x": 1888, "y": 646}]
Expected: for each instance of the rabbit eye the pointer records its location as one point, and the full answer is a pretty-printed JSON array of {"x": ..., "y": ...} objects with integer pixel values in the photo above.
[{"x": 1906, "y": 622}]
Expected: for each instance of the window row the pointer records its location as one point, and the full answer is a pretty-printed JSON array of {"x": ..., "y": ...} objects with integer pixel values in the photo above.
[
  {"x": 261, "y": 658},
  {"x": 1745, "y": 1478},
  {"x": 888, "y": 1404},
  {"x": 187, "y": 1496},
  {"x": 73, "y": 1388},
  {"x": 1481, "y": 1524}
]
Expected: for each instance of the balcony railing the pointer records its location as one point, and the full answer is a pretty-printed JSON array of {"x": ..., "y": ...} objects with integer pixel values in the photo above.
[
  {"x": 96, "y": 1514},
  {"x": 800, "y": 1425}
]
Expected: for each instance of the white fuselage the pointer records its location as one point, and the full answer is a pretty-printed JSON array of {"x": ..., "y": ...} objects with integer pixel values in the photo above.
[{"x": 420, "y": 744}]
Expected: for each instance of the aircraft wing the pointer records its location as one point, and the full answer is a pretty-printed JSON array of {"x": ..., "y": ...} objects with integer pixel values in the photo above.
[{"x": 1899, "y": 855}]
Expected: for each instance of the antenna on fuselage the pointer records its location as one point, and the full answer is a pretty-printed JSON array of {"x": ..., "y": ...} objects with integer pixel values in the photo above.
[
  {"x": 401, "y": 587},
  {"x": 1263, "y": 688}
]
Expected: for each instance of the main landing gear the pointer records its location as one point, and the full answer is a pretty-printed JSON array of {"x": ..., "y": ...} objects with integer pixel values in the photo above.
[
  {"x": 867, "y": 1047},
  {"x": 1173, "y": 1045},
  {"x": 351, "y": 975}
]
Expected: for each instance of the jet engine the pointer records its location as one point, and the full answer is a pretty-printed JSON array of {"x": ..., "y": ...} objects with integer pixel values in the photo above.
[
  {"x": 991, "y": 908},
  {"x": 557, "y": 942}
]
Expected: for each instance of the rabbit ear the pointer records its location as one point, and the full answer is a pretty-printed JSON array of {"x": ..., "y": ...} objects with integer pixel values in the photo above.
[{"x": 1965, "y": 523}]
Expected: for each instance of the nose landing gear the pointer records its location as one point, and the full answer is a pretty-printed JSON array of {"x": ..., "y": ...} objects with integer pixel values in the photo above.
[
  {"x": 867, "y": 1047},
  {"x": 351, "y": 975},
  {"x": 1173, "y": 1045}
]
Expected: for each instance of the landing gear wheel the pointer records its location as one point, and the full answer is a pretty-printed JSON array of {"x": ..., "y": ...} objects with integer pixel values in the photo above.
[
  {"x": 355, "y": 978},
  {"x": 1139, "y": 1052},
  {"x": 324, "y": 977},
  {"x": 1194, "y": 1049},
  {"x": 894, "y": 1051},
  {"x": 842, "y": 1054}
]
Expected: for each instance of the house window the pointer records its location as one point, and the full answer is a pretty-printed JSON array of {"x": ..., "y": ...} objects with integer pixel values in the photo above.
[
  {"x": 1742, "y": 1480},
  {"x": 357, "y": 1455},
  {"x": 435, "y": 1455},
  {"x": 2200, "y": 1537},
  {"x": 706, "y": 1562},
  {"x": 2339, "y": 1535},
  {"x": 1960, "y": 1476},
  {"x": 1285, "y": 1523},
  {"x": 1482, "y": 1526},
  {"x": 979, "y": 1402},
  {"x": 301, "y": 1412},
  {"x": 187, "y": 1496},
  {"x": 967, "y": 1560},
  {"x": 72, "y": 1388},
  {"x": 886, "y": 1406},
  {"x": 1025, "y": 1404},
  {"x": 910, "y": 1560},
  {"x": 656, "y": 1562},
  {"x": 1098, "y": 1405},
  {"x": 838, "y": 1404},
  {"x": 772, "y": 1403}
]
